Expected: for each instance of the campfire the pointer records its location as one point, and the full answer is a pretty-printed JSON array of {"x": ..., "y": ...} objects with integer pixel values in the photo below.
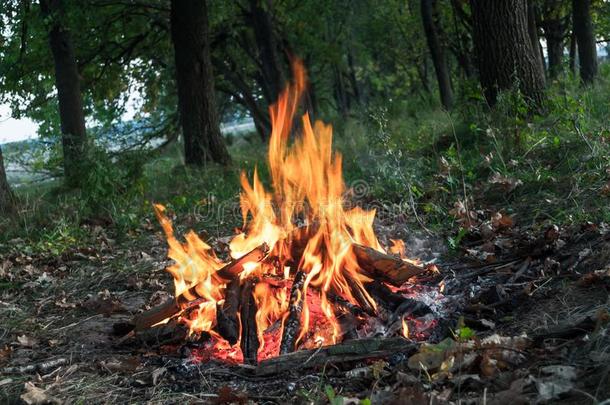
[{"x": 305, "y": 272}]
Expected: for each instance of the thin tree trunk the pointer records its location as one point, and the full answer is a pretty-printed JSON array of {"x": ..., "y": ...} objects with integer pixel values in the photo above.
[
  {"x": 554, "y": 33},
  {"x": 271, "y": 70},
  {"x": 6, "y": 195},
  {"x": 194, "y": 77},
  {"x": 341, "y": 96},
  {"x": 352, "y": 77},
  {"x": 437, "y": 52},
  {"x": 572, "y": 56},
  {"x": 532, "y": 30},
  {"x": 67, "y": 82},
  {"x": 505, "y": 53},
  {"x": 585, "y": 36}
]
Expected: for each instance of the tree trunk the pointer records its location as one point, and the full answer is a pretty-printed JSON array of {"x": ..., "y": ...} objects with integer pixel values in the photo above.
[
  {"x": 505, "y": 53},
  {"x": 554, "y": 45},
  {"x": 437, "y": 52},
  {"x": 6, "y": 195},
  {"x": 532, "y": 30},
  {"x": 572, "y": 60},
  {"x": 554, "y": 33},
  {"x": 271, "y": 70},
  {"x": 585, "y": 37},
  {"x": 195, "y": 80},
  {"x": 67, "y": 82}
]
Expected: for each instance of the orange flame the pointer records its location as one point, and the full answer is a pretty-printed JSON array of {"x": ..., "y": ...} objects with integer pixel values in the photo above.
[{"x": 307, "y": 186}]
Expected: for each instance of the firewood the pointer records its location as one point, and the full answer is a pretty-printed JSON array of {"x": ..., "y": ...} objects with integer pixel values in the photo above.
[
  {"x": 390, "y": 268},
  {"x": 292, "y": 326},
  {"x": 360, "y": 297},
  {"x": 345, "y": 305},
  {"x": 226, "y": 314},
  {"x": 395, "y": 303},
  {"x": 353, "y": 350},
  {"x": 169, "y": 333},
  {"x": 173, "y": 307},
  {"x": 249, "y": 330},
  {"x": 236, "y": 266},
  {"x": 155, "y": 315}
]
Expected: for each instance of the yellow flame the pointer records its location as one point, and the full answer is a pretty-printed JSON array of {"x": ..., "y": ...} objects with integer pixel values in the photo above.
[{"x": 307, "y": 181}]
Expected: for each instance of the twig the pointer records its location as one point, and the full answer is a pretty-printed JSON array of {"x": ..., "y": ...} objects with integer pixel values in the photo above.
[{"x": 40, "y": 367}]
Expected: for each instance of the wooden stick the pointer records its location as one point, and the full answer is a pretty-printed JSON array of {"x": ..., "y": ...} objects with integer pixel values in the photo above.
[
  {"x": 292, "y": 327},
  {"x": 236, "y": 266},
  {"x": 249, "y": 331},
  {"x": 395, "y": 302},
  {"x": 382, "y": 265},
  {"x": 226, "y": 314},
  {"x": 360, "y": 297},
  {"x": 352, "y": 350},
  {"x": 172, "y": 307}
]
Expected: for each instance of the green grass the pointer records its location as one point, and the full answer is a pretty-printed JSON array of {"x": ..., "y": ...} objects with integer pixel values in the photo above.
[{"x": 418, "y": 157}]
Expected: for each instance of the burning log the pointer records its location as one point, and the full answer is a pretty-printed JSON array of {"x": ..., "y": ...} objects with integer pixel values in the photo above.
[
  {"x": 345, "y": 305},
  {"x": 172, "y": 307},
  {"x": 292, "y": 326},
  {"x": 236, "y": 266},
  {"x": 352, "y": 350},
  {"x": 361, "y": 297},
  {"x": 390, "y": 268},
  {"x": 394, "y": 302},
  {"x": 249, "y": 331},
  {"x": 226, "y": 314}
]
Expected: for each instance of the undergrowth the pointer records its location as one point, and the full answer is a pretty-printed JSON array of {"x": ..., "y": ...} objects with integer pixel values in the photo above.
[{"x": 554, "y": 166}]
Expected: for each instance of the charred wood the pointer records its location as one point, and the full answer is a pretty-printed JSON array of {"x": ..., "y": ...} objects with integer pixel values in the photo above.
[
  {"x": 353, "y": 350},
  {"x": 394, "y": 302},
  {"x": 390, "y": 268},
  {"x": 292, "y": 326},
  {"x": 249, "y": 331},
  {"x": 361, "y": 297},
  {"x": 226, "y": 314},
  {"x": 173, "y": 307}
]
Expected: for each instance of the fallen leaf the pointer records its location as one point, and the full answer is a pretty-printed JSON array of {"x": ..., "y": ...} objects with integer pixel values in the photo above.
[
  {"x": 226, "y": 395},
  {"x": 37, "y": 396},
  {"x": 104, "y": 306},
  {"x": 430, "y": 357},
  {"x": 125, "y": 365},
  {"x": 157, "y": 374},
  {"x": 508, "y": 184},
  {"x": 26, "y": 341},
  {"x": 500, "y": 221},
  {"x": 5, "y": 354}
]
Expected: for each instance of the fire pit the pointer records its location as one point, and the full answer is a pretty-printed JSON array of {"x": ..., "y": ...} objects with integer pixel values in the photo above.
[{"x": 306, "y": 275}]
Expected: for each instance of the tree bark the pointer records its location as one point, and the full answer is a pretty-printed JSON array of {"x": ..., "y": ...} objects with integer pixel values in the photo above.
[
  {"x": 271, "y": 70},
  {"x": 572, "y": 57},
  {"x": 67, "y": 82},
  {"x": 194, "y": 77},
  {"x": 505, "y": 53},
  {"x": 532, "y": 30},
  {"x": 437, "y": 52},
  {"x": 6, "y": 195},
  {"x": 585, "y": 37}
]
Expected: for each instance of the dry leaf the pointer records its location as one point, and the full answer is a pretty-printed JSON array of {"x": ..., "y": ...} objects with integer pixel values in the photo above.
[
  {"x": 508, "y": 184},
  {"x": 125, "y": 365},
  {"x": 26, "y": 341},
  {"x": 500, "y": 221},
  {"x": 226, "y": 395},
  {"x": 37, "y": 396},
  {"x": 157, "y": 374},
  {"x": 103, "y": 305}
]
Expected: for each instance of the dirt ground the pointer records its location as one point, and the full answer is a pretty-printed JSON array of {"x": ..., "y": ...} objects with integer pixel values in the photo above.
[{"x": 528, "y": 324}]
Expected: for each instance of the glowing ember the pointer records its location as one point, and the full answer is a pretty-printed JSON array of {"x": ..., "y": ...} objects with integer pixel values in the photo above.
[{"x": 308, "y": 187}]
